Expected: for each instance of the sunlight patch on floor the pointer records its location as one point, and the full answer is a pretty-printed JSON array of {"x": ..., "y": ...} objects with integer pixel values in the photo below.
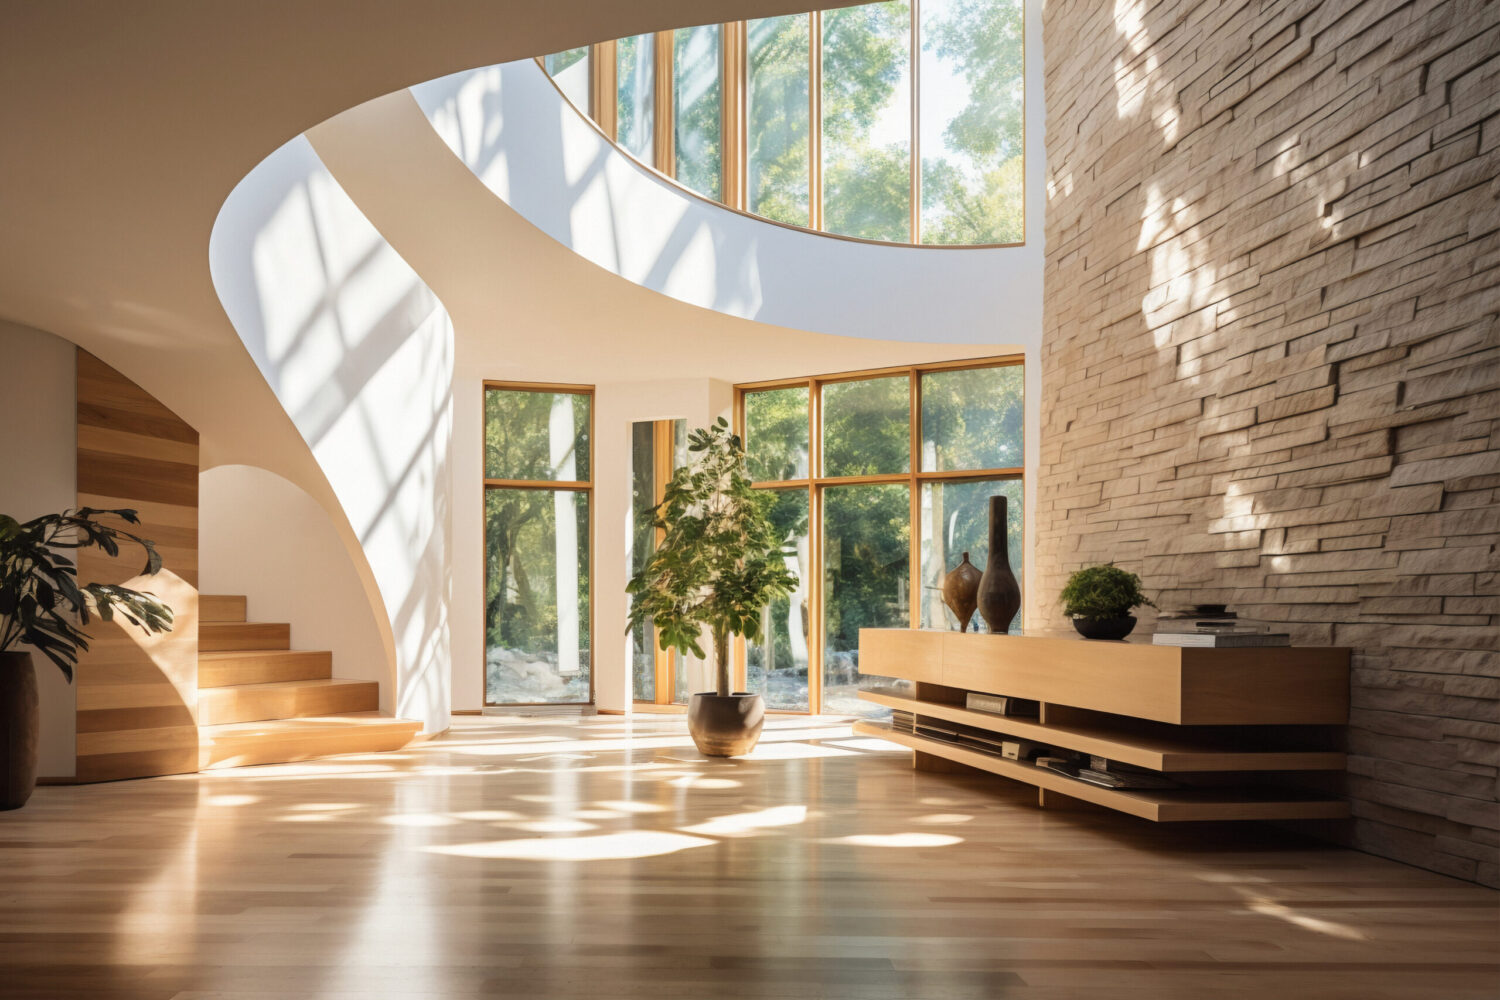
[{"x": 605, "y": 847}]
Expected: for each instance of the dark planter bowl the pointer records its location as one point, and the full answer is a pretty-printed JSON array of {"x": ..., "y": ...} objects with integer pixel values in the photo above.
[
  {"x": 727, "y": 725},
  {"x": 1105, "y": 628}
]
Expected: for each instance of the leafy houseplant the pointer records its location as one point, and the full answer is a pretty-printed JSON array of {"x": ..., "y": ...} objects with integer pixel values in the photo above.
[
  {"x": 1099, "y": 599},
  {"x": 40, "y": 598},
  {"x": 718, "y": 563}
]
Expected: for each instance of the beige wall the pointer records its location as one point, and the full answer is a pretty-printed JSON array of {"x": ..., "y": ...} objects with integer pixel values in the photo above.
[
  {"x": 1269, "y": 361},
  {"x": 37, "y": 476},
  {"x": 263, "y": 537}
]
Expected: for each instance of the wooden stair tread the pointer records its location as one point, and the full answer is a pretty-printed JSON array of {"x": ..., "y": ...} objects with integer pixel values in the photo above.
[
  {"x": 236, "y": 636},
  {"x": 285, "y": 700},
  {"x": 1157, "y": 805},
  {"x": 221, "y": 608},
  {"x": 234, "y": 668},
  {"x": 343, "y": 721},
  {"x": 223, "y": 655},
  {"x": 309, "y": 683},
  {"x": 277, "y": 741},
  {"x": 1155, "y": 752}
]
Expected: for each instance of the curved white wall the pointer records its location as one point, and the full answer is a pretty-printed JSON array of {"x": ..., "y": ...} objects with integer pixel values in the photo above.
[
  {"x": 360, "y": 354},
  {"x": 529, "y": 146}
]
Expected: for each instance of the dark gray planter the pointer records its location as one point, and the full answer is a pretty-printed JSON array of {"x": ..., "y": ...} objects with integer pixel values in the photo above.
[
  {"x": 1105, "y": 628},
  {"x": 726, "y": 725},
  {"x": 20, "y": 726}
]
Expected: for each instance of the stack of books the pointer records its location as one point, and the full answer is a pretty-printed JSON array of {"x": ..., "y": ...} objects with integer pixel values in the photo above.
[
  {"x": 1214, "y": 626},
  {"x": 999, "y": 704},
  {"x": 1103, "y": 773}
]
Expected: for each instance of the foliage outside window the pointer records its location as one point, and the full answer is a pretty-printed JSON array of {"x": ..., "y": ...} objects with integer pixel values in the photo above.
[
  {"x": 960, "y": 159},
  {"x": 537, "y": 500},
  {"x": 868, "y": 533}
]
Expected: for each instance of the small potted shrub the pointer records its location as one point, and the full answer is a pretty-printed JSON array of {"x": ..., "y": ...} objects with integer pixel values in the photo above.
[
  {"x": 43, "y": 606},
  {"x": 1099, "y": 599},
  {"x": 718, "y": 564}
]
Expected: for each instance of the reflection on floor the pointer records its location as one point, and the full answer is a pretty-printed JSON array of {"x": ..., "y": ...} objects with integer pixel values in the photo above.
[{"x": 603, "y": 857}]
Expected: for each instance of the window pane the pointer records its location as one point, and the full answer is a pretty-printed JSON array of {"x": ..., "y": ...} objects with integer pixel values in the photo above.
[
  {"x": 536, "y": 596},
  {"x": 866, "y": 538},
  {"x": 777, "y": 111},
  {"x": 867, "y": 121},
  {"x": 972, "y": 419},
  {"x": 776, "y": 434},
  {"x": 536, "y": 435},
  {"x": 696, "y": 105},
  {"x": 972, "y": 98},
  {"x": 642, "y": 544},
  {"x": 635, "y": 107},
  {"x": 955, "y": 520},
  {"x": 776, "y": 661},
  {"x": 570, "y": 70},
  {"x": 867, "y": 427}
]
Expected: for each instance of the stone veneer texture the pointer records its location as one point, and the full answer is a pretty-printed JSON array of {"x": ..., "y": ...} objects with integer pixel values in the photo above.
[{"x": 1270, "y": 358}]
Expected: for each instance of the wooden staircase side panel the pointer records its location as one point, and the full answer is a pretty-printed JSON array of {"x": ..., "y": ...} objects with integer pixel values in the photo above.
[{"x": 137, "y": 694}]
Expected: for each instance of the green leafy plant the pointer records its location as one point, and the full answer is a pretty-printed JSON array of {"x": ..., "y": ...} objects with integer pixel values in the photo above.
[
  {"x": 719, "y": 561},
  {"x": 1104, "y": 591},
  {"x": 39, "y": 590}
]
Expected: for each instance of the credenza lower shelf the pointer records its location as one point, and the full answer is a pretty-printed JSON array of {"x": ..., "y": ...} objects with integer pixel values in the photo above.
[
  {"x": 1143, "y": 750},
  {"x": 1157, "y": 805}
]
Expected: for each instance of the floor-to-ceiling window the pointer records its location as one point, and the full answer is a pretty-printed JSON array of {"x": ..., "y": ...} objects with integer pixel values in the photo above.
[
  {"x": 897, "y": 121},
  {"x": 538, "y": 484},
  {"x": 657, "y": 449},
  {"x": 883, "y": 479}
]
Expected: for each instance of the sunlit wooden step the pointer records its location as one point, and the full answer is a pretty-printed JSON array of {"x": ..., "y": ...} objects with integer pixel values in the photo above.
[
  {"x": 222, "y": 636},
  {"x": 221, "y": 608},
  {"x": 265, "y": 666},
  {"x": 283, "y": 740},
  {"x": 285, "y": 700}
]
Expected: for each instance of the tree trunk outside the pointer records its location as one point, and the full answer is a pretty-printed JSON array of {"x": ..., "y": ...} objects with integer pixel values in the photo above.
[{"x": 721, "y": 661}]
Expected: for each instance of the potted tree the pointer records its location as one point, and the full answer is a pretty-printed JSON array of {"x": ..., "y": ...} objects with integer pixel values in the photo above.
[
  {"x": 40, "y": 598},
  {"x": 718, "y": 564},
  {"x": 1099, "y": 599}
]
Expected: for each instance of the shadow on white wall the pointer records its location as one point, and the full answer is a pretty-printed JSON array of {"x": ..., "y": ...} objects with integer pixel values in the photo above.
[{"x": 359, "y": 352}]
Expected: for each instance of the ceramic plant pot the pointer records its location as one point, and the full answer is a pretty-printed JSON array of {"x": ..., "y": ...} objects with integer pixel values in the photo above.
[
  {"x": 1105, "y": 628},
  {"x": 961, "y": 591},
  {"x": 999, "y": 593},
  {"x": 725, "y": 725},
  {"x": 19, "y": 729}
]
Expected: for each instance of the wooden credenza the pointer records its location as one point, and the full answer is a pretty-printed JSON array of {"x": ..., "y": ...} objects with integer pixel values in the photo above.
[{"x": 1244, "y": 733}]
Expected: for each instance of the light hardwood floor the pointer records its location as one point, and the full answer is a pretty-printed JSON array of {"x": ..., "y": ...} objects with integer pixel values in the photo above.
[{"x": 604, "y": 858}]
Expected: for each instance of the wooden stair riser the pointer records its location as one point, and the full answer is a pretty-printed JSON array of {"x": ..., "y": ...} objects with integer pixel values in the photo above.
[
  {"x": 217, "y": 637},
  {"x": 263, "y": 667},
  {"x": 258, "y": 702},
  {"x": 221, "y": 608}
]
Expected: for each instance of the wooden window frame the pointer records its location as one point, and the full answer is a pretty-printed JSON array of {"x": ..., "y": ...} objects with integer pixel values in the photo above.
[
  {"x": 548, "y": 485},
  {"x": 734, "y": 146},
  {"x": 816, "y": 484}
]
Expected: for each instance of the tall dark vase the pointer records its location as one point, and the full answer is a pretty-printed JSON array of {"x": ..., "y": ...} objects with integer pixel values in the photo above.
[
  {"x": 19, "y": 729},
  {"x": 999, "y": 593}
]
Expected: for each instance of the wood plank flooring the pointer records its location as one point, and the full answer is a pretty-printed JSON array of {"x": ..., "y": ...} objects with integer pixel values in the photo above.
[{"x": 603, "y": 857}]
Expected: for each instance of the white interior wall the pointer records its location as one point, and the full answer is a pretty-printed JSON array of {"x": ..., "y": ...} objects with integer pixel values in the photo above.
[
  {"x": 262, "y": 536},
  {"x": 39, "y": 456}
]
